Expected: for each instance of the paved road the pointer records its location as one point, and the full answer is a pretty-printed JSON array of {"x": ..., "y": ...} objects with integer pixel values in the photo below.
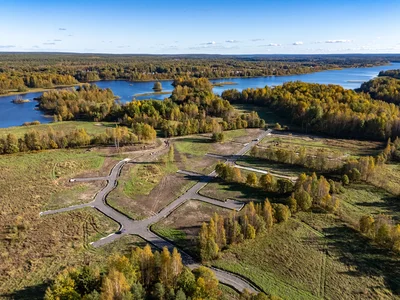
[{"x": 141, "y": 228}]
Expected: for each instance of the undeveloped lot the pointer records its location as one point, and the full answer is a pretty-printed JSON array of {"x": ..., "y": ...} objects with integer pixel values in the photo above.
[
  {"x": 34, "y": 249},
  {"x": 333, "y": 148},
  {"x": 183, "y": 225}
]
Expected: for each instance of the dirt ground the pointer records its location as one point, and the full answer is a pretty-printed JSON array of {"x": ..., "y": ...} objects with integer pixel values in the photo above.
[
  {"x": 168, "y": 189},
  {"x": 188, "y": 219}
]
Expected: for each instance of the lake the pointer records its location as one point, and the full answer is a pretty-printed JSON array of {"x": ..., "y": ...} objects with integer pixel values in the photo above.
[{"x": 16, "y": 114}]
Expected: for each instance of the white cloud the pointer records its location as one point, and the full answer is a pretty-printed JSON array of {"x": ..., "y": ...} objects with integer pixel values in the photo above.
[
  {"x": 231, "y": 41},
  {"x": 49, "y": 43},
  {"x": 62, "y": 29},
  {"x": 57, "y": 40},
  {"x": 257, "y": 40},
  {"x": 298, "y": 43},
  {"x": 273, "y": 45},
  {"x": 337, "y": 41},
  {"x": 7, "y": 46}
]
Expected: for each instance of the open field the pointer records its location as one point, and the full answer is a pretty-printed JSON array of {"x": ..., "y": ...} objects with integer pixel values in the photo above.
[
  {"x": 364, "y": 199},
  {"x": 271, "y": 166},
  {"x": 270, "y": 116},
  {"x": 296, "y": 261},
  {"x": 388, "y": 178},
  {"x": 146, "y": 188},
  {"x": 34, "y": 249},
  {"x": 332, "y": 148},
  {"x": 183, "y": 225},
  {"x": 221, "y": 190},
  {"x": 91, "y": 128},
  {"x": 199, "y": 145}
]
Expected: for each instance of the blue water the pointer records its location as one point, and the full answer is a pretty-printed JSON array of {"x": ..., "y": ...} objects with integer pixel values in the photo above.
[{"x": 15, "y": 114}]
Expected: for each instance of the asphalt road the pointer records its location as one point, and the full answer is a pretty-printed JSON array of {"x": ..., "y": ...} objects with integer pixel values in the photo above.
[{"x": 142, "y": 227}]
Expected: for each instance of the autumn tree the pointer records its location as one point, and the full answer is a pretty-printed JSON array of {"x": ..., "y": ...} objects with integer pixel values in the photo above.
[{"x": 251, "y": 179}]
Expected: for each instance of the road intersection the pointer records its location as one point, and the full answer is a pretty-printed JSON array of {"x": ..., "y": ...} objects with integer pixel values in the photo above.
[{"x": 142, "y": 227}]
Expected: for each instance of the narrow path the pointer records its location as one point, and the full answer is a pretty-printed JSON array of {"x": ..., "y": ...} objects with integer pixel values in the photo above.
[{"x": 141, "y": 228}]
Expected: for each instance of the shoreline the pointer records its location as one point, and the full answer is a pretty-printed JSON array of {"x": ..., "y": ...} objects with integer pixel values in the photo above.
[{"x": 42, "y": 90}]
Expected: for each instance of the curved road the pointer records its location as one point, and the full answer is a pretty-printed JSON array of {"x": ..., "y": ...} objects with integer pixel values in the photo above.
[{"x": 141, "y": 228}]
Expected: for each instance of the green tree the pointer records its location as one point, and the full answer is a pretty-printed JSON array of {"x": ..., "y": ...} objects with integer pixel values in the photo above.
[
  {"x": 303, "y": 199},
  {"x": 11, "y": 145},
  {"x": 267, "y": 182},
  {"x": 282, "y": 212},
  {"x": 157, "y": 86},
  {"x": 345, "y": 180},
  {"x": 251, "y": 179}
]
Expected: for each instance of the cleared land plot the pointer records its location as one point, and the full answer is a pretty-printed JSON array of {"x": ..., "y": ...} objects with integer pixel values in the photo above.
[
  {"x": 296, "y": 261},
  {"x": 363, "y": 199},
  {"x": 388, "y": 178},
  {"x": 332, "y": 148},
  {"x": 32, "y": 248},
  {"x": 144, "y": 189},
  {"x": 270, "y": 116},
  {"x": 199, "y": 145},
  {"x": 183, "y": 225},
  {"x": 355, "y": 267},
  {"x": 271, "y": 166},
  {"x": 220, "y": 190},
  {"x": 47, "y": 247}
]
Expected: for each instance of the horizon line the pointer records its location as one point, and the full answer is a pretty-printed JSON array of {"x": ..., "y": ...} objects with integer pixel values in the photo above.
[{"x": 183, "y": 54}]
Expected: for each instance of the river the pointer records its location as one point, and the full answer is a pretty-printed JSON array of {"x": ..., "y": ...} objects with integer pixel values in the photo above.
[{"x": 16, "y": 114}]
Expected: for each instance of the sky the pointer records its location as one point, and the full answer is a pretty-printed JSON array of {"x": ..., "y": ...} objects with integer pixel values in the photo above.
[{"x": 210, "y": 27}]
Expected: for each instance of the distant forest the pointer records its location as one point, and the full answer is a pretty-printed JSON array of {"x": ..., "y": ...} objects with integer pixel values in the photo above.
[{"x": 22, "y": 71}]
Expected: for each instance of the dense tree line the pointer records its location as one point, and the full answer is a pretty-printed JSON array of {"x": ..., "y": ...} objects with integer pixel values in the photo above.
[
  {"x": 85, "y": 102},
  {"x": 311, "y": 191},
  {"x": 254, "y": 219},
  {"x": 319, "y": 161},
  {"x": 143, "y": 275},
  {"x": 192, "y": 108},
  {"x": 51, "y": 139},
  {"x": 22, "y": 71},
  {"x": 266, "y": 181},
  {"x": 326, "y": 109},
  {"x": 382, "y": 230},
  {"x": 390, "y": 73},
  {"x": 21, "y": 81},
  {"x": 383, "y": 88}
]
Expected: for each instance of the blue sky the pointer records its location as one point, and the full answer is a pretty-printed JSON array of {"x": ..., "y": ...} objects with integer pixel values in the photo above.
[{"x": 221, "y": 27}]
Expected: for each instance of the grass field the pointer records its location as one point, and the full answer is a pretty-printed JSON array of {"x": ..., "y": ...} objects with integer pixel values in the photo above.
[
  {"x": 183, "y": 225},
  {"x": 270, "y": 116},
  {"x": 364, "y": 199},
  {"x": 271, "y": 166},
  {"x": 301, "y": 261},
  {"x": 32, "y": 248},
  {"x": 145, "y": 188},
  {"x": 92, "y": 128},
  {"x": 200, "y": 145},
  {"x": 221, "y": 190},
  {"x": 332, "y": 148}
]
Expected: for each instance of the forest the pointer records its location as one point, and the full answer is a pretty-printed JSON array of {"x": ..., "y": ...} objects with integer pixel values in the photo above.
[
  {"x": 143, "y": 275},
  {"x": 192, "y": 108},
  {"x": 383, "y": 88},
  {"x": 390, "y": 73},
  {"x": 327, "y": 109},
  {"x": 19, "y": 72}
]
